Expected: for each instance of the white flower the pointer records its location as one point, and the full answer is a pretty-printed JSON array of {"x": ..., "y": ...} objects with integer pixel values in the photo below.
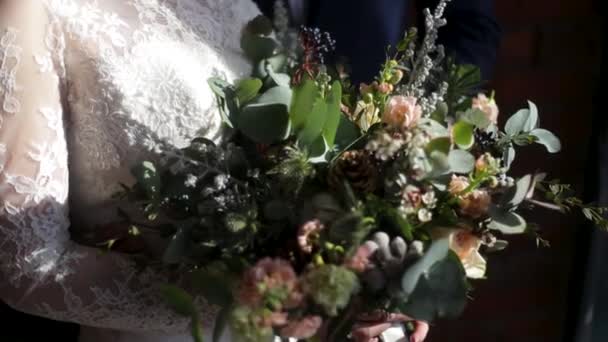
[
  {"x": 191, "y": 181},
  {"x": 466, "y": 245},
  {"x": 425, "y": 215}
]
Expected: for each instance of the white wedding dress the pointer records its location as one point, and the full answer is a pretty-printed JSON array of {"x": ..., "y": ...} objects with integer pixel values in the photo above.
[{"x": 88, "y": 88}]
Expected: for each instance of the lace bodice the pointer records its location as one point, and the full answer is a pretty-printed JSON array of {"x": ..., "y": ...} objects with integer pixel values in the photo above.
[{"x": 87, "y": 88}]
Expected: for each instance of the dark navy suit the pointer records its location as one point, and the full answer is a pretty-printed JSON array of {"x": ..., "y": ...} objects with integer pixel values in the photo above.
[{"x": 364, "y": 28}]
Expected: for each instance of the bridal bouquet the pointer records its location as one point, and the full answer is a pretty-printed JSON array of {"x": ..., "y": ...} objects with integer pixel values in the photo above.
[{"x": 330, "y": 206}]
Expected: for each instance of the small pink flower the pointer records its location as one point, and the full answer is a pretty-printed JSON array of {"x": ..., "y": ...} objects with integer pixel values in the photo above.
[
  {"x": 402, "y": 112},
  {"x": 458, "y": 184},
  {"x": 486, "y": 105},
  {"x": 308, "y": 234},
  {"x": 475, "y": 204},
  {"x": 385, "y": 88},
  {"x": 302, "y": 329},
  {"x": 266, "y": 275}
]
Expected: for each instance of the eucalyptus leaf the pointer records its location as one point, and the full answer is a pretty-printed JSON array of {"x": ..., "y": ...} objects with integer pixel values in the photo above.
[
  {"x": 534, "y": 121},
  {"x": 508, "y": 157},
  {"x": 218, "y": 86},
  {"x": 461, "y": 161},
  {"x": 214, "y": 283},
  {"x": 179, "y": 300},
  {"x": 277, "y": 63},
  {"x": 220, "y": 323},
  {"x": 177, "y": 248},
  {"x": 319, "y": 151},
  {"x": 334, "y": 100},
  {"x": 476, "y": 117},
  {"x": 442, "y": 144},
  {"x": 515, "y": 195},
  {"x": 303, "y": 99},
  {"x": 247, "y": 89},
  {"x": 433, "y": 128},
  {"x": 437, "y": 252},
  {"x": 548, "y": 139},
  {"x": 440, "y": 293},
  {"x": 280, "y": 79},
  {"x": 276, "y": 95},
  {"x": 519, "y": 122},
  {"x": 347, "y": 133},
  {"x": 462, "y": 133},
  {"x": 506, "y": 222},
  {"x": 257, "y": 47},
  {"x": 265, "y": 123},
  {"x": 440, "y": 112},
  {"x": 315, "y": 122}
]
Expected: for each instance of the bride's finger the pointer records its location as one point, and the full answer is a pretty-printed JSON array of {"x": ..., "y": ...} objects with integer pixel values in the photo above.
[
  {"x": 366, "y": 332},
  {"x": 421, "y": 330}
]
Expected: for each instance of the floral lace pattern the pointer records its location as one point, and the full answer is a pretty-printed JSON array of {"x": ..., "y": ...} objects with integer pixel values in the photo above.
[{"x": 98, "y": 85}]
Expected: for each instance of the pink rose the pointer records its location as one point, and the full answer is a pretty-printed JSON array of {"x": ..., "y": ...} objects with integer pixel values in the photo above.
[
  {"x": 402, "y": 112},
  {"x": 457, "y": 185},
  {"x": 486, "y": 105}
]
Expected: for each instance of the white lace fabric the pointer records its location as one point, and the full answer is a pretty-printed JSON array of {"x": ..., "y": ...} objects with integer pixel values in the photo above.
[{"x": 88, "y": 88}]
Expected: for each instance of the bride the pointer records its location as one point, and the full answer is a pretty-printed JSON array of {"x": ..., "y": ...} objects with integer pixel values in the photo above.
[{"x": 87, "y": 89}]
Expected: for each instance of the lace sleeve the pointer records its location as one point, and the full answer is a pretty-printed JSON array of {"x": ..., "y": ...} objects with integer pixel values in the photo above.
[{"x": 41, "y": 271}]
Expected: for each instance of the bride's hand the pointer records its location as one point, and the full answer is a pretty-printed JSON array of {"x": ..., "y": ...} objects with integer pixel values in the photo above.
[{"x": 371, "y": 326}]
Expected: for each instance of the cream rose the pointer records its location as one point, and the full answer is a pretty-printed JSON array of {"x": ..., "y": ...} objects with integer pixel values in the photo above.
[
  {"x": 466, "y": 246},
  {"x": 402, "y": 112},
  {"x": 486, "y": 105}
]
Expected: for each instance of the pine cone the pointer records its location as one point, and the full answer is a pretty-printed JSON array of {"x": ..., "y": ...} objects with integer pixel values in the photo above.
[{"x": 357, "y": 167}]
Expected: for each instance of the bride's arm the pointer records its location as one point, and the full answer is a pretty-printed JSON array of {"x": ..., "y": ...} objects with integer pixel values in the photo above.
[{"x": 41, "y": 271}]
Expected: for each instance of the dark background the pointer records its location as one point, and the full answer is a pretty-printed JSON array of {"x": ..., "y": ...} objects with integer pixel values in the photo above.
[{"x": 551, "y": 54}]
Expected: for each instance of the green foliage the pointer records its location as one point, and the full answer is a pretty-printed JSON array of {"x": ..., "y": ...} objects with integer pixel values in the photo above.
[
  {"x": 183, "y": 303},
  {"x": 462, "y": 133},
  {"x": 441, "y": 292},
  {"x": 148, "y": 178},
  {"x": 267, "y": 119},
  {"x": 522, "y": 129},
  {"x": 304, "y": 97},
  {"x": 331, "y": 287},
  {"x": 177, "y": 247},
  {"x": 256, "y": 41},
  {"x": 215, "y": 282},
  {"x": 244, "y": 323},
  {"x": 507, "y": 222},
  {"x": 247, "y": 89},
  {"x": 462, "y": 81},
  {"x": 461, "y": 161}
]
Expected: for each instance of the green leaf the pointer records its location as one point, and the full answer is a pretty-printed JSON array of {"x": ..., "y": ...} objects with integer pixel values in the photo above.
[
  {"x": 319, "y": 151},
  {"x": 177, "y": 248},
  {"x": 257, "y": 48},
  {"x": 506, "y": 222},
  {"x": 218, "y": 86},
  {"x": 437, "y": 252},
  {"x": 276, "y": 95},
  {"x": 548, "y": 139},
  {"x": 259, "y": 25},
  {"x": 279, "y": 79},
  {"x": 220, "y": 323},
  {"x": 463, "y": 134},
  {"x": 508, "y": 157},
  {"x": 440, "y": 293},
  {"x": 433, "y": 128},
  {"x": 442, "y": 145},
  {"x": 334, "y": 100},
  {"x": 346, "y": 134},
  {"x": 303, "y": 100},
  {"x": 267, "y": 120},
  {"x": 315, "y": 122},
  {"x": 148, "y": 178},
  {"x": 461, "y": 161},
  {"x": 247, "y": 89},
  {"x": 524, "y": 121},
  {"x": 517, "y": 194},
  {"x": 440, "y": 112},
  {"x": 179, "y": 300},
  {"x": 534, "y": 121},
  {"x": 476, "y": 117},
  {"x": 214, "y": 282},
  {"x": 276, "y": 63}
]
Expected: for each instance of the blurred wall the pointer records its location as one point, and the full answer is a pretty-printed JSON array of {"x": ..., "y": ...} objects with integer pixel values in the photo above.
[{"x": 550, "y": 55}]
